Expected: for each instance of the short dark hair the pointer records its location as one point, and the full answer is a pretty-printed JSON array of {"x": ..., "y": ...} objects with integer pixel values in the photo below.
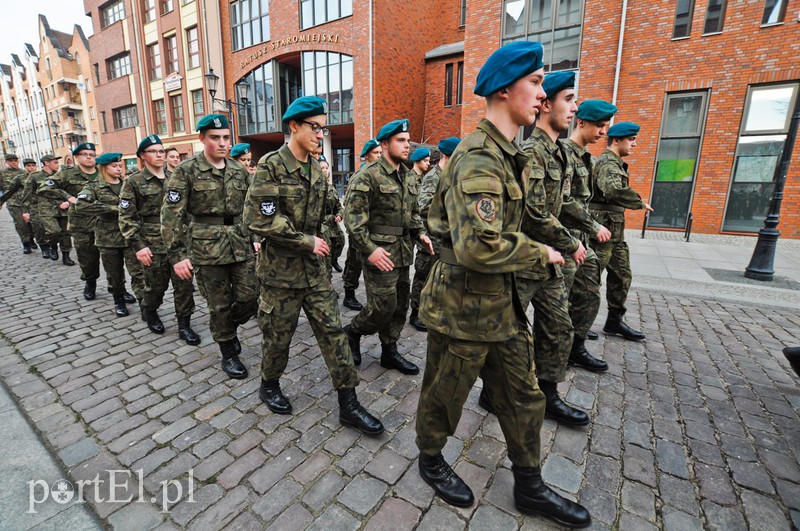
[{"x": 173, "y": 148}]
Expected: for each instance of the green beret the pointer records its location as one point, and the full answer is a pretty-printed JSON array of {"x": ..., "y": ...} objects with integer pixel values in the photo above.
[
  {"x": 305, "y": 107},
  {"x": 623, "y": 130},
  {"x": 108, "y": 158},
  {"x": 240, "y": 149},
  {"x": 419, "y": 154},
  {"x": 448, "y": 145},
  {"x": 28, "y": 161},
  {"x": 11, "y": 156},
  {"x": 86, "y": 146},
  {"x": 508, "y": 64},
  {"x": 596, "y": 111},
  {"x": 149, "y": 140},
  {"x": 369, "y": 145},
  {"x": 212, "y": 121},
  {"x": 558, "y": 81},
  {"x": 395, "y": 127},
  {"x": 322, "y": 159},
  {"x": 49, "y": 157}
]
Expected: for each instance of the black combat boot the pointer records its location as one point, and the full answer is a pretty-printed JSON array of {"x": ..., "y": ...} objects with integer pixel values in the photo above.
[
  {"x": 616, "y": 326},
  {"x": 580, "y": 356},
  {"x": 153, "y": 321},
  {"x": 185, "y": 331},
  {"x": 391, "y": 359},
  {"x": 230, "y": 361},
  {"x": 119, "y": 305},
  {"x": 90, "y": 290},
  {"x": 336, "y": 266},
  {"x": 533, "y": 497},
  {"x": 592, "y": 336},
  {"x": 354, "y": 340},
  {"x": 445, "y": 482},
  {"x": 53, "y": 252},
  {"x": 557, "y": 410},
  {"x": 350, "y": 300},
  {"x": 237, "y": 346},
  {"x": 66, "y": 260},
  {"x": 26, "y": 248},
  {"x": 271, "y": 394},
  {"x": 45, "y": 247},
  {"x": 353, "y": 414},
  {"x": 793, "y": 355},
  {"x": 33, "y": 245},
  {"x": 414, "y": 321},
  {"x": 130, "y": 299},
  {"x": 485, "y": 402}
]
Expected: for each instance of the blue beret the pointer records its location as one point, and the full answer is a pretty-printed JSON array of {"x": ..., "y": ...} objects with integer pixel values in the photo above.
[
  {"x": 622, "y": 130},
  {"x": 395, "y": 127},
  {"x": 369, "y": 145},
  {"x": 240, "y": 149},
  {"x": 596, "y": 111},
  {"x": 86, "y": 146},
  {"x": 213, "y": 121},
  {"x": 108, "y": 158},
  {"x": 322, "y": 159},
  {"x": 419, "y": 154},
  {"x": 305, "y": 107},
  {"x": 508, "y": 64},
  {"x": 558, "y": 81},
  {"x": 149, "y": 140},
  {"x": 448, "y": 145}
]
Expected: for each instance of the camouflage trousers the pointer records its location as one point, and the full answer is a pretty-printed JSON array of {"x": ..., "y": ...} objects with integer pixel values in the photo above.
[
  {"x": 334, "y": 237},
  {"x": 55, "y": 229},
  {"x": 231, "y": 291},
  {"x": 552, "y": 327},
  {"x": 115, "y": 260},
  {"x": 157, "y": 277},
  {"x": 352, "y": 268},
  {"x": 88, "y": 255},
  {"x": 38, "y": 230},
  {"x": 509, "y": 376},
  {"x": 278, "y": 311},
  {"x": 615, "y": 258},
  {"x": 387, "y": 304},
  {"x": 24, "y": 229},
  {"x": 423, "y": 262},
  {"x": 583, "y": 284}
]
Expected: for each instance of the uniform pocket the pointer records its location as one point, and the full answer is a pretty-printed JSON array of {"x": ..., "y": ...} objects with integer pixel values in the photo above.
[
  {"x": 485, "y": 302},
  {"x": 460, "y": 367}
]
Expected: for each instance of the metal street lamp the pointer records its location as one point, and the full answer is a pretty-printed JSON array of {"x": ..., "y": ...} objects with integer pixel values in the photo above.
[{"x": 242, "y": 94}]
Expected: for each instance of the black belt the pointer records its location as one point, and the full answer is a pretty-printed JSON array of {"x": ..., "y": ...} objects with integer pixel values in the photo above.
[
  {"x": 606, "y": 207},
  {"x": 447, "y": 256},
  {"x": 216, "y": 220},
  {"x": 151, "y": 219},
  {"x": 390, "y": 230}
]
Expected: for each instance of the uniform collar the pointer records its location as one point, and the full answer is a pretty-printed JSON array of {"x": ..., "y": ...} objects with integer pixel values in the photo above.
[
  {"x": 542, "y": 136},
  {"x": 571, "y": 144},
  {"x": 387, "y": 167},
  {"x": 204, "y": 165},
  {"x": 499, "y": 138},
  {"x": 295, "y": 166}
]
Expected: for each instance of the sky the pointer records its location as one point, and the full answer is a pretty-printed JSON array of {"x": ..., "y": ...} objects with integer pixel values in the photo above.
[{"x": 21, "y": 23}]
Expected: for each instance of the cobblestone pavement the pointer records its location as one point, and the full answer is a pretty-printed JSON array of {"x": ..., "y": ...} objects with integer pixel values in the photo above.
[{"x": 695, "y": 428}]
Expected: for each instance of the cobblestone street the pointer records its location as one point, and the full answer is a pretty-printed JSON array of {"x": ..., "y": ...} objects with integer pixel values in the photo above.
[{"x": 696, "y": 428}]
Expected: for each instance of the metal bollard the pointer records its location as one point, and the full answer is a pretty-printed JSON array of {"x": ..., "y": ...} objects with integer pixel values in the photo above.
[{"x": 688, "y": 233}]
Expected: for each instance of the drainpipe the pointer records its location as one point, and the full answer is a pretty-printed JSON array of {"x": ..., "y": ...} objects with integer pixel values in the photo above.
[
  {"x": 619, "y": 52},
  {"x": 371, "y": 94},
  {"x": 145, "y": 90}
]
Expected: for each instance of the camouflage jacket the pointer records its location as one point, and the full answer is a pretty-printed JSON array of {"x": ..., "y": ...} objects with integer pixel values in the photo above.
[
  {"x": 206, "y": 203},
  {"x": 381, "y": 210},
  {"x": 12, "y": 183},
  {"x": 476, "y": 213},
  {"x": 68, "y": 182},
  {"x": 286, "y": 208},
  {"x": 41, "y": 205},
  {"x": 426, "y": 190},
  {"x": 99, "y": 200},
  {"x": 140, "y": 211},
  {"x": 612, "y": 194},
  {"x": 581, "y": 190}
]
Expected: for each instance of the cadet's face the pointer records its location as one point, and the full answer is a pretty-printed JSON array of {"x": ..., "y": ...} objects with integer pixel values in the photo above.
[
  {"x": 173, "y": 158},
  {"x": 154, "y": 156},
  {"x": 373, "y": 155},
  {"x": 525, "y": 98},
  {"x": 30, "y": 167},
  {"x": 252, "y": 170},
  {"x": 114, "y": 169},
  {"x": 325, "y": 167},
  {"x": 593, "y": 132},
  {"x": 245, "y": 159},
  {"x": 562, "y": 109},
  {"x": 85, "y": 158},
  {"x": 626, "y": 146},
  {"x": 13, "y": 164},
  {"x": 303, "y": 132},
  {"x": 425, "y": 164},
  {"x": 398, "y": 146},
  {"x": 52, "y": 165},
  {"x": 216, "y": 143}
]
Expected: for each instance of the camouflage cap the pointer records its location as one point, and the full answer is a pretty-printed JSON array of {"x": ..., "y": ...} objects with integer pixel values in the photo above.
[
  {"x": 11, "y": 156},
  {"x": 49, "y": 157},
  {"x": 28, "y": 161}
]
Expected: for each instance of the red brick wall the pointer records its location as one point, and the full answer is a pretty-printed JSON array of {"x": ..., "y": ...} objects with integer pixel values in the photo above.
[
  {"x": 482, "y": 37},
  {"x": 440, "y": 121}
]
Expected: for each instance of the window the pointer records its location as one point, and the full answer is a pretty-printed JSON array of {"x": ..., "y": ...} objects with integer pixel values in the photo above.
[
  {"x": 119, "y": 66},
  {"x": 154, "y": 61},
  {"x": 166, "y": 6},
  {"x": 448, "y": 84},
  {"x": 112, "y": 12},
  {"x": 316, "y": 12},
  {"x": 460, "y": 83},
  {"x": 125, "y": 117},
  {"x": 160, "y": 114},
  {"x": 91, "y": 113},
  {"x": 682, "y": 128},
  {"x": 103, "y": 121},
  {"x": 185, "y": 2},
  {"x": 261, "y": 116},
  {"x": 149, "y": 10},
  {"x": 774, "y": 12},
  {"x": 96, "y": 68},
  {"x": 198, "y": 109},
  {"x": 249, "y": 23},
  {"x": 765, "y": 124},
  {"x": 683, "y": 19},
  {"x": 462, "y": 18},
  {"x": 715, "y": 16},
  {"x": 330, "y": 76},
  {"x": 193, "y": 47},
  {"x": 176, "y": 102},
  {"x": 171, "y": 45},
  {"x": 554, "y": 23}
]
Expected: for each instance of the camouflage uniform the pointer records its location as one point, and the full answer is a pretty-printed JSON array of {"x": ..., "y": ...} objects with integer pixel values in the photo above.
[
  {"x": 69, "y": 182},
  {"x": 286, "y": 207},
  {"x": 99, "y": 200},
  {"x": 423, "y": 259},
  {"x": 140, "y": 223},
  {"x": 382, "y": 210},
  {"x": 331, "y": 231},
  {"x": 476, "y": 323},
  {"x": 30, "y": 204},
  {"x": 12, "y": 183},
  {"x": 352, "y": 263},
  {"x": 206, "y": 204},
  {"x": 52, "y": 217},
  {"x": 612, "y": 195}
]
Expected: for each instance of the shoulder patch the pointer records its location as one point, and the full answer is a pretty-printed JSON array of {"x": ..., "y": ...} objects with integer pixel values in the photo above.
[
  {"x": 83, "y": 196},
  {"x": 267, "y": 207},
  {"x": 173, "y": 196},
  {"x": 486, "y": 208},
  {"x": 124, "y": 204},
  {"x": 49, "y": 182}
]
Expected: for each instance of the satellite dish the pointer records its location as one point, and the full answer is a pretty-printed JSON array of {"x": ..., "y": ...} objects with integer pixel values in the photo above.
[{"x": 81, "y": 85}]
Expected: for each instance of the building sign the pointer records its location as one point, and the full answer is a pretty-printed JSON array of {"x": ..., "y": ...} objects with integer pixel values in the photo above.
[
  {"x": 172, "y": 82},
  {"x": 311, "y": 38}
]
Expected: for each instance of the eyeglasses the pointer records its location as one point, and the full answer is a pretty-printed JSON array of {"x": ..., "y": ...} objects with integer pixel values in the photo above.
[
  {"x": 316, "y": 128},
  {"x": 155, "y": 151}
]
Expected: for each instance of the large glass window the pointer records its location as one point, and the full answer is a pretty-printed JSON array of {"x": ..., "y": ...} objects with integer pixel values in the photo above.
[
  {"x": 774, "y": 12},
  {"x": 166, "y": 6},
  {"x": 198, "y": 109},
  {"x": 149, "y": 10},
  {"x": 330, "y": 76},
  {"x": 683, "y": 19},
  {"x": 448, "y": 84},
  {"x": 171, "y": 45},
  {"x": 678, "y": 152},
  {"x": 119, "y": 65},
  {"x": 554, "y": 23},
  {"x": 260, "y": 115},
  {"x": 316, "y": 12},
  {"x": 160, "y": 114},
  {"x": 765, "y": 124},
  {"x": 193, "y": 46},
  {"x": 112, "y": 12},
  {"x": 124, "y": 117},
  {"x": 715, "y": 16},
  {"x": 154, "y": 61},
  {"x": 249, "y": 23},
  {"x": 178, "y": 124}
]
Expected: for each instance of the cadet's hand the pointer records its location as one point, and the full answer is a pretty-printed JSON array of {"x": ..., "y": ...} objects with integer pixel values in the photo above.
[
  {"x": 184, "y": 269},
  {"x": 603, "y": 235},
  {"x": 27, "y": 217},
  {"x": 73, "y": 200},
  {"x": 580, "y": 255},
  {"x": 257, "y": 247},
  {"x": 145, "y": 256},
  {"x": 380, "y": 259},
  {"x": 427, "y": 241},
  {"x": 338, "y": 219},
  {"x": 648, "y": 207},
  {"x": 321, "y": 247},
  {"x": 64, "y": 205},
  {"x": 554, "y": 256}
]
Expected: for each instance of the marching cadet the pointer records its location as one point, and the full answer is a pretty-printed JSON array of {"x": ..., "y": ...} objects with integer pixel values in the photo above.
[
  {"x": 100, "y": 199},
  {"x": 422, "y": 162},
  {"x": 286, "y": 207},
  {"x": 241, "y": 154},
  {"x": 476, "y": 323},
  {"x": 140, "y": 223},
  {"x": 201, "y": 225},
  {"x": 12, "y": 182},
  {"x": 612, "y": 195},
  {"x": 173, "y": 158},
  {"x": 53, "y": 212},
  {"x": 382, "y": 219},
  {"x": 331, "y": 230},
  {"x": 30, "y": 205}
]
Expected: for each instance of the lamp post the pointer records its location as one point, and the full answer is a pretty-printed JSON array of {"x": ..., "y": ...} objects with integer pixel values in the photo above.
[{"x": 242, "y": 94}]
